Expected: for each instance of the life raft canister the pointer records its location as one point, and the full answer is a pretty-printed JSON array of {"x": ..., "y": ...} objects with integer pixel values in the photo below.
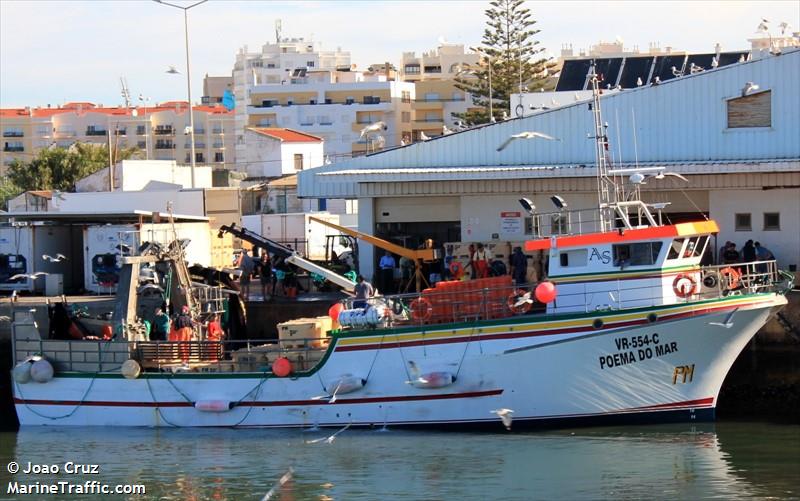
[{"x": 684, "y": 285}]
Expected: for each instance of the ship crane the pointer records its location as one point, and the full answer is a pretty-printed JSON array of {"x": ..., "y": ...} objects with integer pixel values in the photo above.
[
  {"x": 290, "y": 255},
  {"x": 417, "y": 256}
]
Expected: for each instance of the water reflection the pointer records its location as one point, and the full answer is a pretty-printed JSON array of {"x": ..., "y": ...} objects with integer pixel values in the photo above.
[{"x": 729, "y": 460}]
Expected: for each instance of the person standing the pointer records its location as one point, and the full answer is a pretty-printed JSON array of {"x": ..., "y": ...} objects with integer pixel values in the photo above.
[
  {"x": 519, "y": 266},
  {"x": 762, "y": 253},
  {"x": 482, "y": 258},
  {"x": 160, "y": 326},
  {"x": 364, "y": 291},
  {"x": 387, "y": 265},
  {"x": 748, "y": 252},
  {"x": 182, "y": 333},
  {"x": 265, "y": 273},
  {"x": 246, "y": 265},
  {"x": 731, "y": 255}
]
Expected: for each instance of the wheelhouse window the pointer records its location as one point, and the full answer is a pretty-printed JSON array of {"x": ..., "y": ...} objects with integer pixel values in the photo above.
[
  {"x": 638, "y": 254},
  {"x": 573, "y": 258},
  {"x": 675, "y": 248}
]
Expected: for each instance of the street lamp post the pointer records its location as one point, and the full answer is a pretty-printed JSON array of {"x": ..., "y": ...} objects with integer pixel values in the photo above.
[
  {"x": 188, "y": 72},
  {"x": 489, "y": 59}
]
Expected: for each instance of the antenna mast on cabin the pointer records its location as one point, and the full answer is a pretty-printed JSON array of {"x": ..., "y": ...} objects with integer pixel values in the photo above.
[
  {"x": 126, "y": 95},
  {"x": 277, "y": 31},
  {"x": 607, "y": 194}
]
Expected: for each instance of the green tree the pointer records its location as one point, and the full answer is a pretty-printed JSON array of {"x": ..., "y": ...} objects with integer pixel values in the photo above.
[
  {"x": 8, "y": 190},
  {"x": 60, "y": 168},
  {"x": 512, "y": 57}
]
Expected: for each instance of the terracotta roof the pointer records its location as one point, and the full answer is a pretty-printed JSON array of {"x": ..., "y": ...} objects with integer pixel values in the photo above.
[
  {"x": 42, "y": 193},
  {"x": 13, "y": 112},
  {"x": 286, "y": 135},
  {"x": 284, "y": 182},
  {"x": 78, "y": 104}
]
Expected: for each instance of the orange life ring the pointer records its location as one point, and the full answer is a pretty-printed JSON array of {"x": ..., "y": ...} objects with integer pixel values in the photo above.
[
  {"x": 518, "y": 303},
  {"x": 684, "y": 285},
  {"x": 420, "y": 309},
  {"x": 457, "y": 270},
  {"x": 731, "y": 277}
]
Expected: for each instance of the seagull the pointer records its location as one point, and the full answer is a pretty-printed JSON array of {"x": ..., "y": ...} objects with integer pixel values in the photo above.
[
  {"x": 5, "y": 319},
  {"x": 57, "y": 259},
  {"x": 657, "y": 80},
  {"x": 329, "y": 439},
  {"x": 173, "y": 71},
  {"x": 32, "y": 276},
  {"x": 577, "y": 97},
  {"x": 695, "y": 69},
  {"x": 327, "y": 160},
  {"x": 377, "y": 126},
  {"x": 505, "y": 416},
  {"x": 523, "y": 299},
  {"x": 275, "y": 488},
  {"x": 415, "y": 373},
  {"x": 639, "y": 82},
  {"x": 728, "y": 323},
  {"x": 662, "y": 175},
  {"x": 676, "y": 73},
  {"x": 403, "y": 142},
  {"x": 422, "y": 136},
  {"x": 505, "y": 115},
  {"x": 784, "y": 26},
  {"x": 715, "y": 62},
  {"x": 525, "y": 135},
  {"x": 762, "y": 26},
  {"x": 741, "y": 58},
  {"x": 749, "y": 88},
  {"x": 333, "y": 395},
  {"x": 446, "y": 130}
]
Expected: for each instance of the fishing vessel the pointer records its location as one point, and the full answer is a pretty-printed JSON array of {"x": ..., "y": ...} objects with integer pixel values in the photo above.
[{"x": 628, "y": 326}]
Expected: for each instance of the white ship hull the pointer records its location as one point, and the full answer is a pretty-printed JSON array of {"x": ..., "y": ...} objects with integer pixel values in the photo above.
[{"x": 545, "y": 369}]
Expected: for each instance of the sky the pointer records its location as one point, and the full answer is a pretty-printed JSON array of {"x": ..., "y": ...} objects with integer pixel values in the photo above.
[{"x": 52, "y": 52}]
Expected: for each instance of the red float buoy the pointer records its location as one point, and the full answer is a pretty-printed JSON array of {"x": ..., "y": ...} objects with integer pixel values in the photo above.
[
  {"x": 107, "y": 331},
  {"x": 281, "y": 367},
  {"x": 545, "y": 292}
]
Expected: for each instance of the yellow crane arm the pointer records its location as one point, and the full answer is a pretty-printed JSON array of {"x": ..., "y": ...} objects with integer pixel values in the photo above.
[{"x": 424, "y": 254}]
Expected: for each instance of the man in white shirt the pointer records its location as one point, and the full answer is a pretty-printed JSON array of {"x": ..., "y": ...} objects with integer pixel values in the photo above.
[{"x": 387, "y": 265}]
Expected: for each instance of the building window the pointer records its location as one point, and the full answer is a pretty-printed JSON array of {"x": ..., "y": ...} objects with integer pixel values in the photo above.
[
  {"x": 372, "y": 100},
  {"x": 754, "y": 110},
  {"x": 405, "y": 96},
  {"x": 281, "y": 203},
  {"x": 219, "y": 156},
  {"x": 645, "y": 253},
  {"x": 558, "y": 224},
  {"x": 772, "y": 221},
  {"x": 298, "y": 161},
  {"x": 140, "y": 130},
  {"x": 310, "y": 64},
  {"x": 433, "y": 69},
  {"x": 531, "y": 225},
  {"x": 405, "y": 117},
  {"x": 743, "y": 222},
  {"x": 349, "y": 100},
  {"x": 432, "y": 96},
  {"x": 412, "y": 69},
  {"x": 323, "y": 204}
]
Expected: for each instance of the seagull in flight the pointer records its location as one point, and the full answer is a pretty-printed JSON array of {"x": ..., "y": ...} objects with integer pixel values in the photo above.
[
  {"x": 728, "y": 323},
  {"x": 376, "y": 127},
  {"x": 329, "y": 439},
  {"x": 526, "y": 135},
  {"x": 416, "y": 374},
  {"x": 57, "y": 259},
  {"x": 275, "y": 488},
  {"x": 523, "y": 299},
  {"x": 505, "y": 416},
  {"x": 32, "y": 276},
  {"x": 173, "y": 71}
]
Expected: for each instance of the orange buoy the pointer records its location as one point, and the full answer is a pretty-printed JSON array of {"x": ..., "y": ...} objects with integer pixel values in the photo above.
[
  {"x": 545, "y": 292},
  {"x": 107, "y": 331},
  {"x": 334, "y": 312},
  {"x": 457, "y": 270},
  {"x": 730, "y": 277},
  {"x": 684, "y": 285},
  {"x": 281, "y": 367},
  {"x": 421, "y": 309}
]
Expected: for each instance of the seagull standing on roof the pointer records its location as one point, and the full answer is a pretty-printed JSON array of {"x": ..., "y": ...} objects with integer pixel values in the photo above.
[
  {"x": 639, "y": 82},
  {"x": 423, "y": 136},
  {"x": 446, "y": 130},
  {"x": 525, "y": 135},
  {"x": 676, "y": 73},
  {"x": 662, "y": 175},
  {"x": 714, "y": 62},
  {"x": 749, "y": 88}
]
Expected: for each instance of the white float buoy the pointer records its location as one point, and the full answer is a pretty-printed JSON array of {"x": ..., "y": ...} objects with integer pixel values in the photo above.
[
  {"x": 22, "y": 372},
  {"x": 213, "y": 405},
  {"x": 131, "y": 369},
  {"x": 42, "y": 371},
  {"x": 433, "y": 380},
  {"x": 345, "y": 384}
]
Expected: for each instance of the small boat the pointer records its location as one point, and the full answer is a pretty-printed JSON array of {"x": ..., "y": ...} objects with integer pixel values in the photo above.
[{"x": 628, "y": 326}]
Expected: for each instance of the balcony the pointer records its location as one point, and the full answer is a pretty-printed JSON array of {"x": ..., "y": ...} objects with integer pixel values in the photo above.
[
  {"x": 197, "y": 145},
  {"x": 165, "y": 145},
  {"x": 199, "y": 131},
  {"x": 13, "y": 133},
  {"x": 95, "y": 132},
  {"x": 216, "y": 131},
  {"x": 121, "y": 132},
  {"x": 429, "y": 120},
  {"x": 219, "y": 145},
  {"x": 163, "y": 131},
  {"x": 13, "y": 148}
]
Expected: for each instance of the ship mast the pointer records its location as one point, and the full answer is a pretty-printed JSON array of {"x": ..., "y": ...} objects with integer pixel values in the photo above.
[{"x": 607, "y": 190}]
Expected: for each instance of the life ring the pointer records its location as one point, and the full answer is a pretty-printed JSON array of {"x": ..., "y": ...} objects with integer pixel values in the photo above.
[
  {"x": 520, "y": 302},
  {"x": 457, "y": 270},
  {"x": 420, "y": 309},
  {"x": 730, "y": 277},
  {"x": 684, "y": 285}
]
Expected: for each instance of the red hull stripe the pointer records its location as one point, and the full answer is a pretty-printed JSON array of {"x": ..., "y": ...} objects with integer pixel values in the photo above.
[
  {"x": 514, "y": 335},
  {"x": 277, "y": 403},
  {"x": 682, "y": 229}
]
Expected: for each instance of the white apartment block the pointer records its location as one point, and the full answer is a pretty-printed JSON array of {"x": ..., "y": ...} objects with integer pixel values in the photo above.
[
  {"x": 275, "y": 152},
  {"x": 161, "y": 131}
]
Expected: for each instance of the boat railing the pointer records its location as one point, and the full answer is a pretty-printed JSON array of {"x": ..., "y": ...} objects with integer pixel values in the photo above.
[
  {"x": 625, "y": 215},
  {"x": 100, "y": 356},
  {"x": 497, "y": 298}
]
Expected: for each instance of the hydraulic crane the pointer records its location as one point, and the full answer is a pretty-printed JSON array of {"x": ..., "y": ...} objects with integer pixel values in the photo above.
[
  {"x": 290, "y": 255},
  {"x": 417, "y": 256}
]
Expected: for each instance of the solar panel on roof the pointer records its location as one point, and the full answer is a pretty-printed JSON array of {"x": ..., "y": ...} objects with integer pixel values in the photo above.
[
  {"x": 609, "y": 69},
  {"x": 634, "y": 69},
  {"x": 664, "y": 64},
  {"x": 573, "y": 75}
]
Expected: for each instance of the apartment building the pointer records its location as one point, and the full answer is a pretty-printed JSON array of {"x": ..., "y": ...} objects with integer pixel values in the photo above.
[
  {"x": 437, "y": 97},
  {"x": 161, "y": 131}
]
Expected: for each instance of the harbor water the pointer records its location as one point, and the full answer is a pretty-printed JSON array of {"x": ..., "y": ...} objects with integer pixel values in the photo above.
[{"x": 726, "y": 460}]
